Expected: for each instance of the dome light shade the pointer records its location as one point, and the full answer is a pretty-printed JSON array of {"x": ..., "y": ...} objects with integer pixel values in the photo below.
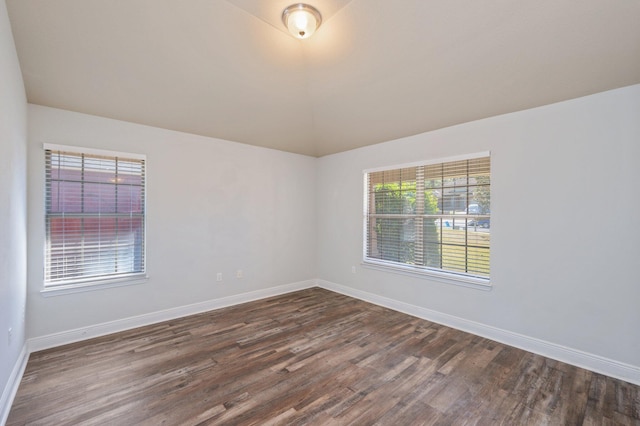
[{"x": 301, "y": 20}]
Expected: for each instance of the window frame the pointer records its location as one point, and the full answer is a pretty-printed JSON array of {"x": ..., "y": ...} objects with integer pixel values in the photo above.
[
  {"x": 436, "y": 274},
  {"x": 73, "y": 285}
]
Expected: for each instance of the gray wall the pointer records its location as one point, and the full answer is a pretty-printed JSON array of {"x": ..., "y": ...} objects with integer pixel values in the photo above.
[
  {"x": 212, "y": 206},
  {"x": 13, "y": 206},
  {"x": 564, "y": 228}
]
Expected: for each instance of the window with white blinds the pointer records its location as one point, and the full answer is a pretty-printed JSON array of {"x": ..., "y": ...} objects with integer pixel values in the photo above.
[
  {"x": 95, "y": 216},
  {"x": 431, "y": 217}
]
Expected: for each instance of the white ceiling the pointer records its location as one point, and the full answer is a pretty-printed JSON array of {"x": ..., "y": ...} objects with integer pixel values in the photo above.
[{"x": 376, "y": 70}]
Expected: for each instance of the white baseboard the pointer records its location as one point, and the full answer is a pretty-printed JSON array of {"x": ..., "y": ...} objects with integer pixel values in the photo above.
[
  {"x": 11, "y": 388},
  {"x": 79, "y": 334},
  {"x": 628, "y": 373},
  {"x": 612, "y": 368}
]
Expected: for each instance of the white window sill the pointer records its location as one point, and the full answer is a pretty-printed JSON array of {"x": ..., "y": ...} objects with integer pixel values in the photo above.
[
  {"x": 440, "y": 276},
  {"x": 98, "y": 284}
]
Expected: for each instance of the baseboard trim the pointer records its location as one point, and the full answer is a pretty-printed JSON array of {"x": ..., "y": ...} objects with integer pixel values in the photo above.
[
  {"x": 11, "y": 388},
  {"x": 596, "y": 363},
  {"x": 71, "y": 336},
  {"x": 628, "y": 373}
]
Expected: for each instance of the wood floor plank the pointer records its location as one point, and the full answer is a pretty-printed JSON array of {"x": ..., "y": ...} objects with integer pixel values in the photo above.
[{"x": 310, "y": 357}]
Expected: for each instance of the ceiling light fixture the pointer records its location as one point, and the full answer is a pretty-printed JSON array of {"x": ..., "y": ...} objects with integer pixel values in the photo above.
[{"x": 301, "y": 19}]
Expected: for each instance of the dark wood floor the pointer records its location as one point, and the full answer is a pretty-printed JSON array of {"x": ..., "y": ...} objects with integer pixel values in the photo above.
[{"x": 310, "y": 357}]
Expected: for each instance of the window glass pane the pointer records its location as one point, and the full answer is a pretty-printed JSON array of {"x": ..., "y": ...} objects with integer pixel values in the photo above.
[
  {"x": 432, "y": 204},
  {"x": 128, "y": 199},
  {"x": 392, "y": 239},
  {"x": 99, "y": 198},
  {"x": 68, "y": 197}
]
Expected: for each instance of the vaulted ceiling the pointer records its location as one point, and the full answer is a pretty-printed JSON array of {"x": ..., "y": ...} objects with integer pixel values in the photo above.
[{"x": 376, "y": 70}]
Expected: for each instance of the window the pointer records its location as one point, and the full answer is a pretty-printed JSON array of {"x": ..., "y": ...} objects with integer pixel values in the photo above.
[
  {"x": 431, "y": 218},
  {"x": 95, "y": 216}
]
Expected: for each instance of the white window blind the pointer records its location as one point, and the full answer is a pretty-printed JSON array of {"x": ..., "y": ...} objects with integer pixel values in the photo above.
[
  {"x": 430, "y": 217},
  {"x": 95, "y": 216}
]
